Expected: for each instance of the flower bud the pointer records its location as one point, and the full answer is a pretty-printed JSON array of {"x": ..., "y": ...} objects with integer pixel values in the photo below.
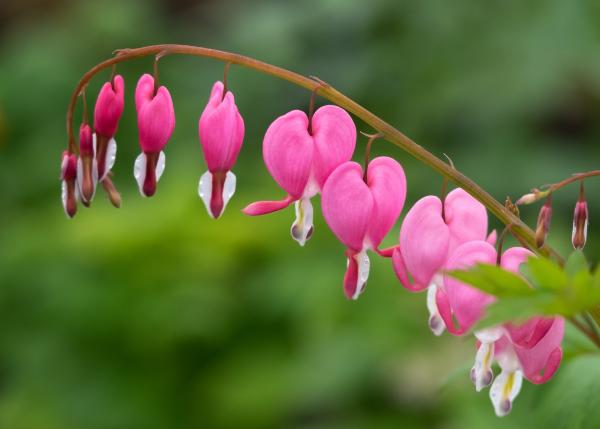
[
  {"x": 543, "y": 223},
  {"x": 68, "y": 178},
  {"x": 87, "y": 173},
  {"x": 532, "y": 197},
  {"x": 156, "y": 121},
  {"x": 580, "y": 224},
  {"x": 107, "y": 112}
]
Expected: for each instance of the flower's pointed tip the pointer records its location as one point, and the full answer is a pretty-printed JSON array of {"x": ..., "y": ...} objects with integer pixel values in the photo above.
[
  {"x": 357, "y": 274},
  {"x": 302, "y": 228},
  {"x": 148, "y": 169},
  {"x": 87, "y": 178},
  {"x": 437, "y": 326},
  {"x": 264, "y": 207},
  {"x": 215, "y": 191}
]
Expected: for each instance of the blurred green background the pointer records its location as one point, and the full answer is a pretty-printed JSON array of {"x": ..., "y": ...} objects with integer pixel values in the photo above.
[{"x": 155, "y": 316}]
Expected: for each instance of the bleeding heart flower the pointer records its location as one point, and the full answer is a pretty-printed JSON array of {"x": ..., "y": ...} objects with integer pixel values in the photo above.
[
  {"x": 430, "y": 232},
  {"x": 87, "y": 171},
  {"x": 361, "y": 212},
  {"x": 300, "y": 153},
  {"x": 68, "y": 178},
  {"x": 221, "y": 130},
  {"x": 108, "y": 111},
  {"x": 531, "y": 350},
  {"x": 156, "y": 121},
  {"x": 462, "y": 302}
]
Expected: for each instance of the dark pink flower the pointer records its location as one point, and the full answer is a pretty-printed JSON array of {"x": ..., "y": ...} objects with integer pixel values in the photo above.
[
  {"x": 87, "y": 171},
  {"x": 300, "y": 160},
  {"x": 108, "y": 111},
  {"x": 156, "y": 121},
  {"x": 221, "y": 130},
  {"x": 361, "y": 212},
  {"x": 68, "y": 178}
]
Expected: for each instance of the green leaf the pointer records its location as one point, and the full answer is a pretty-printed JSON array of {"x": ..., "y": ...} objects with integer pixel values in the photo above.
[
  {"x": 576, "y": 263},
  {"x": 494, "y": 280},
  {"x": 546, "y": 274}
]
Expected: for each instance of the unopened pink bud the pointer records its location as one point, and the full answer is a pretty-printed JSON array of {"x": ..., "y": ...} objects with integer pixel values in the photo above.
[
  {"x": 156, "y": 116},
  {"x": 86, "y": 165},
  {"x": 543, "y": 223},
  {"x": 68, "y": 177},
  {"x": 580, "y": 224},
  {"x": 109, "y": 107}
]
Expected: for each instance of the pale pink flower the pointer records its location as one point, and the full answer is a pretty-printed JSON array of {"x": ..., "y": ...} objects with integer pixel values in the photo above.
[
  {"x": 301, "y": 159},
  {"x": 430, "y": 232},
  {"x": 221, "y": 130},
  {"x": 361, "y": 212}
]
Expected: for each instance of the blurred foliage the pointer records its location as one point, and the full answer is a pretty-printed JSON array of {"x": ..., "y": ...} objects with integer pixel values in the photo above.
[
  {"x": 545, "y": 289},
  {"x": 154, "y": 316}
]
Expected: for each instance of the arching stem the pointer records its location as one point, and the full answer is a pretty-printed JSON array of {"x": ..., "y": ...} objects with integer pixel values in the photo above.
[{"x": 387, "y": 131}]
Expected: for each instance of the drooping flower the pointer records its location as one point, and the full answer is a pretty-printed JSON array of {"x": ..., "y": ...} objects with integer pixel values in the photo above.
[
  {"x": 462, "y": 302},
  {"x": 108, "y": 111},
  {"x": 531, "y": 350},
  {"x": 221, "y": 130},
  {"x": 87, "y": 171},
  {"x": 361, "y": 212},
  {"x": 156, "y": 121},
  {"x": 430, "y": 232},
  {"x": 68, "y": 178},
  {"x": 543, "y": 222},
  {"x": 300, "y": 153}
]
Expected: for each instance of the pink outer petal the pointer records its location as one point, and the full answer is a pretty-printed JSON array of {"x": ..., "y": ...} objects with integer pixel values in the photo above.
[
  {"x": 402, "y": 272},
  {"x": 334, "y": 135},
  {"x": 288, "y": 152},
  {"x": 492, "y": 237},
  {"x": 466, "y": 218},
  {"x": 424, "y": 241},
  {"x": 156, "y": 116},
  {"x": 221, "y": 130},
  {"x": 348, "y": 205},
  {"x": 386, "y": 179},
  {"x": 540, "y": 362},
  {"x": 513, "y": 258},
  {"x": 264, "y": 207},
  {"x": 351, "y": 277},
  {"x": 466, "y": 302},
  {"x": 529, "y": 334},
  {"x": 109, "y": 107}
]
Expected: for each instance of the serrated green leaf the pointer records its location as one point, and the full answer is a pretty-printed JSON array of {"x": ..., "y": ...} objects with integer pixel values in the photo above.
[
  {"x": 576, "y": 263},
  {"x": 546, "y": 274},
  {"x": 494, "y": 280}
]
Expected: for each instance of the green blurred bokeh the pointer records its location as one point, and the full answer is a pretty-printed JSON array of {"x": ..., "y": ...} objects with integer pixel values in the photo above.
[{"x": 155, "y": 316}]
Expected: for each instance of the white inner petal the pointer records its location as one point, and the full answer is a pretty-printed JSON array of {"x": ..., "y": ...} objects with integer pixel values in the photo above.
[
  {"x": 504, "y": 390},
  {"x": 205, "y": 190},
  {"x": 364, "y": 266},
  {"x": 482, "y": 370},
  {"x": 489, "y": 335},
  {"x": 228, "y": 188},
  {"x": 139, "y": 172},
  {"x": 436, "y": 323},
  {"x": 63, "y": 195},
  {"x": 302, "y": 227},
  {"x": 160, "y": 165},
  {"x": 111, "y": 156}
]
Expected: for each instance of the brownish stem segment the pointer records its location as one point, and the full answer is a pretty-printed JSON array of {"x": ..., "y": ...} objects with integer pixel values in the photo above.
[
  {"x": 572, "y": 179},
  {"x": 387, "y": 131}
]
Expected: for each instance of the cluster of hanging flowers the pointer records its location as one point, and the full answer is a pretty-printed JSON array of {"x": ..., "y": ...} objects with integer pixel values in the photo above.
[{"x": 311, "y": 154}]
